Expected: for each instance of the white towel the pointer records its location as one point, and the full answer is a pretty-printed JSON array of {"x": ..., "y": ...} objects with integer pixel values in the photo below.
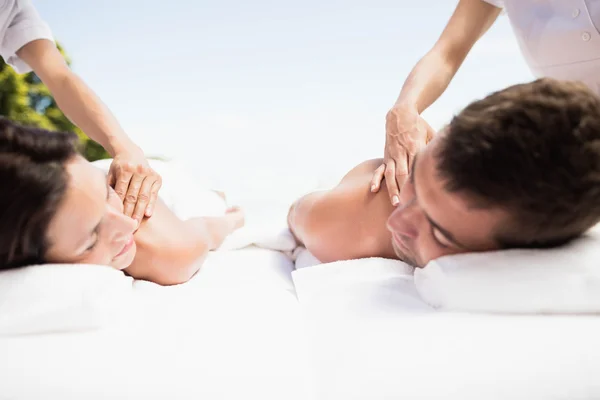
[
  {"x": 373, "y": 285},
  {"x": 304, "y": 258},
  {"x": 265, "y": 226}
]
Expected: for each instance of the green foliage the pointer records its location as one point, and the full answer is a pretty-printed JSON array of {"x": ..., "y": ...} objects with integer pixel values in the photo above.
[{"x": 25, "y": 99}]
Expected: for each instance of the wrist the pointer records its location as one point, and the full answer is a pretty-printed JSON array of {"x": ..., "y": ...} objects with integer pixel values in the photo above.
[
  {"x": 407, "y": 105},
  {"x": 122, "y": 146}
]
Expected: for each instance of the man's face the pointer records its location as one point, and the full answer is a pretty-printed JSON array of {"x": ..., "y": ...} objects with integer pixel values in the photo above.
[{"x": 431, "y": 222}]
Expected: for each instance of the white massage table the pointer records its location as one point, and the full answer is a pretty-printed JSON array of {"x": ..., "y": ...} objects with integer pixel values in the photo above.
[{"x": 250, "y": 326}]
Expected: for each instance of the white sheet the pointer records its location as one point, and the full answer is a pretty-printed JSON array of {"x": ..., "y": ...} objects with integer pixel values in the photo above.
[
  {"x": 446, "y": 356},
  {"x": 232, "y": 332},
  {"x": 372, "y": 337}
]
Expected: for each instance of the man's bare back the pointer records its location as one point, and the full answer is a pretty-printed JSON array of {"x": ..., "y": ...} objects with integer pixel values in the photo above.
[{"x": 346, "y": 222}]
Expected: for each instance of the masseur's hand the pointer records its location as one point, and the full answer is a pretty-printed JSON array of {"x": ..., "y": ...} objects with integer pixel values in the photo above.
[
  {"x": 135, "y": 183},
  {"x": 406, "y": 134}
]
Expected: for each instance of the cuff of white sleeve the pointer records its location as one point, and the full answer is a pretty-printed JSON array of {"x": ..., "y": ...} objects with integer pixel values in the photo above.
[{"x": 19, "y": 37}]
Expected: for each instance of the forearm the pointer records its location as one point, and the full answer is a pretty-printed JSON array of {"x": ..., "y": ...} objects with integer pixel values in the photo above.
[
  {"x": 76, "y": 100},
  {"x": 85, "y": 109},
  {"x": 433, "y": 73},
  {"x": 427, "y": 81}
]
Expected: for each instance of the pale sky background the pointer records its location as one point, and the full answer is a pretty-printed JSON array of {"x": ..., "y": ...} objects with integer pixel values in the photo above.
[{"x": 279, "y": 89}]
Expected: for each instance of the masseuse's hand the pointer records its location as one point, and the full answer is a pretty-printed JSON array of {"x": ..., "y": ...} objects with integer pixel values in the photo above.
[
  {"x": 406, "y": 134},
  {"x": 135, "y": 183}
]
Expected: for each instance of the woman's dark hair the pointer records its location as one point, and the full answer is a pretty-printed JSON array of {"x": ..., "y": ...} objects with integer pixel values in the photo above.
[{"x": 33, "y": 181}]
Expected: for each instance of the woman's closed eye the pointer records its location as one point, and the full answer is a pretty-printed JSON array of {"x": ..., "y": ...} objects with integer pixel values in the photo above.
[{"x": 93, "y": 244}]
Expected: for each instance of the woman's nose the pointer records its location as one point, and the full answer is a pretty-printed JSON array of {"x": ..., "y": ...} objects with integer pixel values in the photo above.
[{"x": 122, "y": 224}]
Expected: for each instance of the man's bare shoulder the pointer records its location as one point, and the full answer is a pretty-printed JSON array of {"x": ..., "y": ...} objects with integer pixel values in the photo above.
[{"x": 349, "y": 221}]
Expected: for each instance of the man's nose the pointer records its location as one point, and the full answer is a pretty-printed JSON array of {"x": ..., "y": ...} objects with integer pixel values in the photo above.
[{"x": 401, "y": 221}]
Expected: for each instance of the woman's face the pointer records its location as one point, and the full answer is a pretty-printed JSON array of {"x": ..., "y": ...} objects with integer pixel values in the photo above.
[{"x": 89, "y": 226}]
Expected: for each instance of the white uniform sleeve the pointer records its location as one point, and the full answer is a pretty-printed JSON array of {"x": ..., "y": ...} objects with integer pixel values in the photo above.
[
  {"x": 24, "y": 25},
  {"x": 497, "y": 3}
]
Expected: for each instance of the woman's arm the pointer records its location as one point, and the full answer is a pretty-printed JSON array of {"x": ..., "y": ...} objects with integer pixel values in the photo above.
[
  {"x": 405, "y": 130},
  {"x": 134, "y": 181},
  {"x": 432, "y": 74},
  {"x": 79, "y": 103}
]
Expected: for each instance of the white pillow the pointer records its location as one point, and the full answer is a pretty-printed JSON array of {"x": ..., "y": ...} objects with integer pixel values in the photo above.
[
  {"x": 560, "y": 280},
  {"x": 54, "y": 297}
]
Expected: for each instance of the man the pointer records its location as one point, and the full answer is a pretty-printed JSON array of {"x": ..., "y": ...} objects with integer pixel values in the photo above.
[
  {"x": 519, "y": 168},
  {"x": 558, "y": 39},
  {"x": 27, "y": 44}
]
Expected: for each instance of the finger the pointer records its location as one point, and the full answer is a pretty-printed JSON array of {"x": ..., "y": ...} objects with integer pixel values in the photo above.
[
  {"x": 402, "y": 168},
  {"x": 111, "y": 177},
  {"x": 153, "y": 197},
  {"x": 133, "y": 192},
  {"x": 122, "y": 183},
  {"x": 410, "y": 158},
  {"x": 377, "y": 178},
  {"x": 143, "y": 198},
  {"x": 390, "y": 182},
  {"x": 401, "y": 178}
]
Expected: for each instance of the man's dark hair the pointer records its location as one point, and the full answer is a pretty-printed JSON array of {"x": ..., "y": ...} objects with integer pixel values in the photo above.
[
  {"x": 33, "y": 181},
  {"x": 533, "y": 150}
]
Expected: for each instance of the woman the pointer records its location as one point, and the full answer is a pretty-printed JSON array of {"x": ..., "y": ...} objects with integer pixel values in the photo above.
[
  {"x": 58, "y": 208},
  {"x": 558, "y": 38},
  {"x": 26, "y": 44}
]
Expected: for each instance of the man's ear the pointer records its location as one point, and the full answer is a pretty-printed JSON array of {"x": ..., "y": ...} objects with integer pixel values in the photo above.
[{"x": 430, "y": 132}]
